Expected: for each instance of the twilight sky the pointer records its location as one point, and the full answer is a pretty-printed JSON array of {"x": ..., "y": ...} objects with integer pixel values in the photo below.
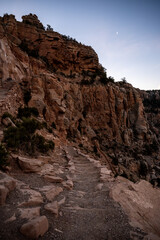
[{"x": 124, "y": 33}]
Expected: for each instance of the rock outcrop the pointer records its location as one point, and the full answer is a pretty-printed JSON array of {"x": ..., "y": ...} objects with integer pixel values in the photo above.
[{"x": 141, "y": 205}]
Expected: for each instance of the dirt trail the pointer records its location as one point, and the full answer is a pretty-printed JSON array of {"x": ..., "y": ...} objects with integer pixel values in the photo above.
[{"x": 89, "y": 213}]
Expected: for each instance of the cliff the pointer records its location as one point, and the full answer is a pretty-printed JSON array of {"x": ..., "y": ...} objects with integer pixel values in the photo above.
[{"x": 69, "y": 88}]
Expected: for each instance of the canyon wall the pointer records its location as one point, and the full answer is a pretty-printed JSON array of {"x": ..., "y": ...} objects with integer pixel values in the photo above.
[{"x": 69, "y": 88}]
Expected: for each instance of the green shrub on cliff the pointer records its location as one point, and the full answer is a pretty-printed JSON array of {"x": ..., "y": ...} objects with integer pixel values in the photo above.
[
  {"x": 38, "y": 142},
  {"x": 15, "y": 137},
  {"x": 7, "y": 115},
  {"x": 23, "y": 137},
  {"x": 27, "y": 96},
  {"x": 31, "y": 125},
  {"x": 22, "y": 133},
  {"x": 27, "y": 112}
]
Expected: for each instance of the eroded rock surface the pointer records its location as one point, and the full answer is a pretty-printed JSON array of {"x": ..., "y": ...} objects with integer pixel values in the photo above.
[{"x": 141, "y": 202}]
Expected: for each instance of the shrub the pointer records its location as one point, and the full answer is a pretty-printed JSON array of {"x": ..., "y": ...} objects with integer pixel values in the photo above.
[
  {"x": 15, "y": 137},
  {"x": 44, "y": 112},
  {"x": 51, "y": 144},
  {"x": 3, "y": 156},
  {"x": 50, "y": 130},
  {"x": 39, "y": 143},
  {"x": 44, "y": 125},
  {"x": 49, "y": 28},
  {"x": 53, "y": 125},
  {"x": 27, "y": 96},
  {"x": 24, "y": 46},
  {"x": 87, "y": 82},
  {"x": 111, "y": 79},
  {"x": 23, "y": 137},
  {"x": 31, "y": 125},
  {"x": 7, "y": 115},
  {"x": 149, "y": 149},
  {"x": 27, "y": 112},
  {"x": 124, "y": 80}
]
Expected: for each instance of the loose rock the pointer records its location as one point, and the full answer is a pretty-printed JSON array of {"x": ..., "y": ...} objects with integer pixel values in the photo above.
[
  {"x": 53, "y": 179},
  {"x": 35, "y": 228},
  {"x": 52, "y": 207}
]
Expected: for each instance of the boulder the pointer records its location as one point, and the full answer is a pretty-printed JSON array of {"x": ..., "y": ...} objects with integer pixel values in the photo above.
[
  {"x": 35, "y": 198},
  {"x": 51, "y": 192},
  {"x": 53, "y": 179},
  {"x": 30, "y": 165},
  {"x": 3, "y": 194},
  {"x": 7, "y": 184},
  {"x": 7, "y": 181},
  {"x": 35, "y": 228},
  {"x": 52, "y": 207},
  {"x": 105, "y": 174},
  {"x": 68, "y": 184}
]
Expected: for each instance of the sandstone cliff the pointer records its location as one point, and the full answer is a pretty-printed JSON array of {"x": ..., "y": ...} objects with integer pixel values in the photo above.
[{"x": 69, "y": 88}]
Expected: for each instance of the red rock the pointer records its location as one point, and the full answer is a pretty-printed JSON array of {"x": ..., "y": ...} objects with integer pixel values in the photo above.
[
  {"x": 53, "y": 179},
  {"x": 35, "y": 228},
  {"x": 3, "y": 194},
  {"x": 30, "y": 165},
  {"x": 52, "y": 207}
]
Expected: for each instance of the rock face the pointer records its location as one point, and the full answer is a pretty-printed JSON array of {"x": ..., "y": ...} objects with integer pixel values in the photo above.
[
  {"x": 68, "y": 88},
  {"x": 141, "y": 205}
]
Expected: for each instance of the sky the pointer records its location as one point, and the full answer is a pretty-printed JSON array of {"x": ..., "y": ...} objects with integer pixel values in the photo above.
[{"x": 124, "y": 33}]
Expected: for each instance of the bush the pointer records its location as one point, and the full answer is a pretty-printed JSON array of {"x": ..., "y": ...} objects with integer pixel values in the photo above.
[
  {"x": 39, "y": 143},
  {"x": 110, "y": 79},
  {"x": 27, "y": 112},
  {"x": 51, "y": 144},
  {"x": 44, "y": 125},
  {"x": 106, "y": 80},
  {"x": 27, "y": 96},
  {"x": 50, "y": 130},
  {"x": 149, "y": 149},
  {"x": 49, "y": 28},
  {"x": 53, "y": 125},
  {"x": 7, "y": 115},
  {"x": 3, "y": 156},
  {"x": 24, "y": 46},
  {"x": 31, "y": 125},
  {"x": 23, "y": 137},
  {"x": 16, "y": 136}
]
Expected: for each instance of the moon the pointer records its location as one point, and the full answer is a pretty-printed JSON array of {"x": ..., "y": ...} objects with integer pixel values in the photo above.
[{"x": 117, "y": 33}]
